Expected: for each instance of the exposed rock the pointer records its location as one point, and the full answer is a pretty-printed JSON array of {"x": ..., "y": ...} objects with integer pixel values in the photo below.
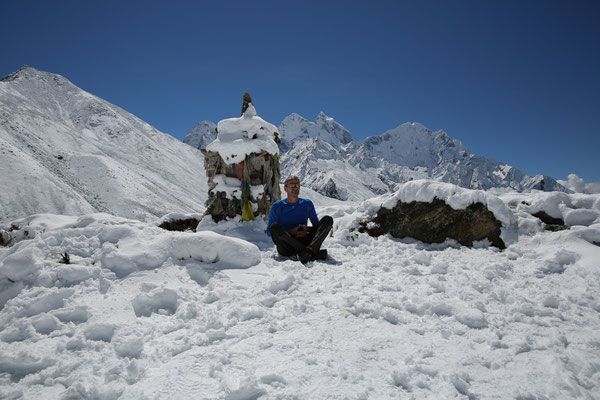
[
  {"x": 435, "y": 222},
  {"x": 5, "y": 242},
  {"x": 246, "y": 100},
  {"x": 7, "y": 237},
  {"x": 329, "y": 190},
  {"x": 180, "y": 224},
  {"x": 556, "y": 228},
  {"x": 548, "y": 219},
  {"x": 552, "y": 224}
]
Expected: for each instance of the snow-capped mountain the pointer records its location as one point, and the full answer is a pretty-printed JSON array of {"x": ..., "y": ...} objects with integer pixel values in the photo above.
[
  {"x": 295, "y": 128},
  {"x": 326, "y": 158},
  {"x": 329, "y": 163},
  {"x": 66, "y": 151},
  {"x": 447, "y": 159},
  {"x": 202, "y": 135}
]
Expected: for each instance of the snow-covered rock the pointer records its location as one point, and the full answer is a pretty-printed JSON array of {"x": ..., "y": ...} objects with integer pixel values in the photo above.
[
  {"x": 433, "y": 219},
  {"x": 238, "y": 137}
]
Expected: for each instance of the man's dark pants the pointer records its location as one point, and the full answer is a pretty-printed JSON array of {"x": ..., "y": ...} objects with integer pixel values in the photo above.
[{"x": 287, "y": 245}]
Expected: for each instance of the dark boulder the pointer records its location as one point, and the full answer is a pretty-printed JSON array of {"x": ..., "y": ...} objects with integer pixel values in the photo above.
[
  {"x": 552, "y": 224},
  {"x": 435, "y": 222},
  {"x": 5, "y": 241},
  {"x": 180, "y": 225}
]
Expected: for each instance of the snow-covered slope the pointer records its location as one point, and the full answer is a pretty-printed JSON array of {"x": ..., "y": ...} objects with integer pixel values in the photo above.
[
  {"x": 140, "y": 312},
  {"x": 66, "y": 151}
]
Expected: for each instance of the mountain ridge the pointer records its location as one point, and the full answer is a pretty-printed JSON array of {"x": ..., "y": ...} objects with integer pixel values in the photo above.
[
  {"x": 67, "y": 151},
  {"x": 322, "y": 154}
]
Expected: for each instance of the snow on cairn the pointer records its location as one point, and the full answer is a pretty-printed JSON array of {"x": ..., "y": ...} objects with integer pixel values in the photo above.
[{"x": 238, "y": 137}]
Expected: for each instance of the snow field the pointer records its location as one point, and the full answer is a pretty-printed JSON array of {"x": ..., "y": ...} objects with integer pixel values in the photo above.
[{"x": 145, "y": 313}]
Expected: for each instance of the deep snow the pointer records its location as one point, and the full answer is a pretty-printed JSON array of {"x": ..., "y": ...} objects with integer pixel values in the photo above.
[{"x": 145, "y": 313}]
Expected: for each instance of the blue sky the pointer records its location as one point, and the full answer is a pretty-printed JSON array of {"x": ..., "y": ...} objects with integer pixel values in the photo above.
[{"x": 517, "y": 81}]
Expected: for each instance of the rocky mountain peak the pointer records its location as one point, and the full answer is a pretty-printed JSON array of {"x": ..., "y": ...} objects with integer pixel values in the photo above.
[
  {"x": 322, "y": 116},
  {"x": 295, "y": 127},
  {"x": 202, "y": 134},
  {"x": 34, "y": 75},
  {"x": 379, "y": 163},
  {"x": 25, "y": 69}
]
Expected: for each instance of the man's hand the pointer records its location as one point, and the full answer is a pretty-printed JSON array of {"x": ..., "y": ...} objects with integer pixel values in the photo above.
[{"x": 299, "y": 231}]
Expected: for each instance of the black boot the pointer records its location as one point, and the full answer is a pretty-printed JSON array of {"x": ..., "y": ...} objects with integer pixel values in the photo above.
[{"x": 320, "y": 255}]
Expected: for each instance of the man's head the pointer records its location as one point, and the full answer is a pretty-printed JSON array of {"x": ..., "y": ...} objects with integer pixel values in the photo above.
[{"x": 291, "y": 185}]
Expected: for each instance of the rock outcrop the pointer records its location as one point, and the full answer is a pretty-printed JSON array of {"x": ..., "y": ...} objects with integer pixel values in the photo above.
[
  {"x": 436, "y": 221},
  {"x": 551, "y": 223}
]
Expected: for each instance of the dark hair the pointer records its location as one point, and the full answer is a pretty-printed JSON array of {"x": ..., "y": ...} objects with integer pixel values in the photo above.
[{"x": 291, "y": 178}]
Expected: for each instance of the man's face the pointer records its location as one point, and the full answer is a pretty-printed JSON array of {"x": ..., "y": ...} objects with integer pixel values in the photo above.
[{"x": 292, "y": 188}]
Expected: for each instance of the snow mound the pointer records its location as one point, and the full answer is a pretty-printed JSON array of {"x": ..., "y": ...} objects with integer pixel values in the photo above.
[
  {"x": 578, "y": 185},
  {"x": 247, "y": 134},
  {"x": 582, "y": 217},
  {"x": 99, "y": 244},
  {"x": 575, "y": 209}
]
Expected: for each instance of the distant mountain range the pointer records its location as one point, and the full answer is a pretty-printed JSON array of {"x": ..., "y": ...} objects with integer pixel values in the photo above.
[
  {"x": 66, "y": 151},
  {"x": 326, "y": 158}
]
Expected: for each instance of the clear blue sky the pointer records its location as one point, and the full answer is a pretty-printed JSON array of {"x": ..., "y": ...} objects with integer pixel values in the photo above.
[{"x": 517, "y": 81}]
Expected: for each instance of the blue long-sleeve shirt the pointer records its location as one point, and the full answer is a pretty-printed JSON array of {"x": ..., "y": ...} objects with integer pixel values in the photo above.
[{"x": 290, "y": 215}]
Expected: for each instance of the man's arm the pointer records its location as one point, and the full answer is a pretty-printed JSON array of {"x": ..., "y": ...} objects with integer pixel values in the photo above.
[
  {"x": 312, "y": 214},
  {"x": 273, "y": 217},
  {"x": 299, "y": 231}
]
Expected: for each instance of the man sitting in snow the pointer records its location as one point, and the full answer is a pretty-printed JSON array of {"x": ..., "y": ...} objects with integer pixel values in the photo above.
[{"x": 287, "y": 225}]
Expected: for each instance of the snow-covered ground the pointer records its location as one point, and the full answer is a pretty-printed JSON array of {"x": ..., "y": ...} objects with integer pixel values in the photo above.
[{"x": 143, "y": 313}]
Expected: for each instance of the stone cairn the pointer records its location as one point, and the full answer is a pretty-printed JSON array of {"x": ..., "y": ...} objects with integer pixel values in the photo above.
[{"x": 249, "y": 187}]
